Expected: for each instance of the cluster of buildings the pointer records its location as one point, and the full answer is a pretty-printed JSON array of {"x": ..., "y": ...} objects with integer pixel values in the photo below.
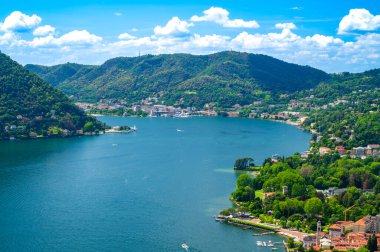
[
  {"x": 345, "y": 235},
  {"x": 372, "y": 150},
  {"x": 147, "y": 106}
]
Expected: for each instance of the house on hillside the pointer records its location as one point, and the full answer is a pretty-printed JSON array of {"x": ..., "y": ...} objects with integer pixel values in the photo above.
[
  {"x": 341, "y": 150},
  {"x": 336, "y": 231},
  {"x": 367, "y": 224},
  {"x": 324, "y": 150}
]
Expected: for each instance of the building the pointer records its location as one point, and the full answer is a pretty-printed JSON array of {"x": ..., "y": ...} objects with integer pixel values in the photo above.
[
  {"x": 332, "y": 191},
  {"x": 324, "y": 150},
  {"x": 305, "y": 154},
  {"x": 309, "y": 240},
  {"x": 358, "y": 152},
  {"x": 341, "y": 150},
  {"x": 373, "y": 150},
  {"x": 285, "y": 189},
  {"x": 336, "y": 230},
  {"x": 367, "y": 224}
]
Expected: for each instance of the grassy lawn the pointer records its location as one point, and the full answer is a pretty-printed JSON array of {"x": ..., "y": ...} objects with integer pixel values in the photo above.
[{"x": 257, "y": 225}]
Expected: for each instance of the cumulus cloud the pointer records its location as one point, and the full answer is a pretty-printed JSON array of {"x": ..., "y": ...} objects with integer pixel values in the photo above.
[
  {"x": 214, "y": 40},
  {"x": 78, "y": 37},
  {"x": 359, "y": 20},
  {"x": 221, "y": 16},
  {"x": 126, "y": 36},
  {"x": 44, "y": 30},
  {"x": 20, "y": 22},
  {"x": 7, "y": 38},
  {"x": 277, "y": 41},
  {"x": 290, "y": 26},
  {"x": 73, "y": 38},
  {"x": 174, "y": 27},
  {"x": 323, "y": 41},
  {"x": 326, "y": 52}
]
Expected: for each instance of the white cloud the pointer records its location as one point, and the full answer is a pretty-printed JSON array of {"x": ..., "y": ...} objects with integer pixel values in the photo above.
[
  {"x": 214, "y": 40},
  {"x": 7, "y": 38},
  {"x": 323, "y": 41},
  {"x": 73, "y": 38},
  {"x": 174, "y": 27},
  {"x": 19, "y": 22},
  {"x": 359, "y": 20},
  {"x": 126, "y": 36},
  {"x": 221, "y": 16},
  {"x": 78, "y": 37},
  {"x": 297, "y": 8},
  {"x": 44, "y": 30},
  {"x": 290, "y": 26},
  {"x": 118, "y": 14},
  {"x": 134, "y": 29},
  {"x": 326, "y": 52},
  {"x": 277, "y": 41}
]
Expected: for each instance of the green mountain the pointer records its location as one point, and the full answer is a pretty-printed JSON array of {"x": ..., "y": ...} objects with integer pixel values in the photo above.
[
  {"x": 224, "y": 78},
  {"x": 29, "y": 106}
]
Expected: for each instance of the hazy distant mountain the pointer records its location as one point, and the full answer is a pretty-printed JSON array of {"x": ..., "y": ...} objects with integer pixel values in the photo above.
[{"x": 226, "y": 78}]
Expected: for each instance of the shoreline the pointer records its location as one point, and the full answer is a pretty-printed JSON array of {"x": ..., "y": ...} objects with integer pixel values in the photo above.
[{"x": 255, "y": 223}]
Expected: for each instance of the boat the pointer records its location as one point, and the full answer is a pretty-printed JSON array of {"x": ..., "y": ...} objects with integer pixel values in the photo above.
[
  {"x": 180, "y": 130},
  {"x": 185, "y": 246},
  {"x": 221, "y": 218},
  {"x": 270, "y": 244},
  {"x": 274, "y": 248},
  {"x": 134, "y": 128},
  {"x": 259, "y": 243},
  {"x": 264, "y": 244}
]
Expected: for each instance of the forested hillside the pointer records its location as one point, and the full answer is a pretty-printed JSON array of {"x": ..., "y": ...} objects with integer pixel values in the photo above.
[
  {"x": 224, "y": 78},
  {"x": 30, "y": 107}
]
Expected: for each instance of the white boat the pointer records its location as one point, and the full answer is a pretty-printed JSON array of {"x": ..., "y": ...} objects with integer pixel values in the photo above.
[
  {"x": 185, "y": 246},
  {"x": 264, "y": 244},
  {"x": 179, "y": 130},
  {"x": 134, "y": 128},
  {"x": 274, "y": 248},
  {"x": 270, "y": 244},
  {"x": 259, "y": 243}
]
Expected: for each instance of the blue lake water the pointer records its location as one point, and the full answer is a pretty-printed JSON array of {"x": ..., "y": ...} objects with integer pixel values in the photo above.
[{"x": 145, "y": 191}]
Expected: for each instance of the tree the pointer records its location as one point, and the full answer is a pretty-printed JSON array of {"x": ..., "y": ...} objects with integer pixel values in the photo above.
[
  {"x": 301, "y": 248},
  {"x": 291, "y": 242},
  {"x": 244, "y": 194},
  {"x": 89, "y": 127},
  {"x": 313, "y": 206},
  {"x": 243, "y": 180},
  {"x": 243, "y": 163},
  {"x": 363, "y": 250},
  {"x": 377, "y": 187},
  {"x": 350, "y": 196},
  {"x": 225, "y": 212},
  {"x": 372, "y": 243}
]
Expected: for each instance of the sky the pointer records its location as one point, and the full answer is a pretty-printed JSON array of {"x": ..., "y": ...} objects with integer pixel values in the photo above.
[{"x": 334, "y": 35}]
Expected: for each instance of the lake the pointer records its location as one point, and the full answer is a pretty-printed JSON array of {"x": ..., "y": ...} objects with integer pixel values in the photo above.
[{"x": 145, "y": 191}]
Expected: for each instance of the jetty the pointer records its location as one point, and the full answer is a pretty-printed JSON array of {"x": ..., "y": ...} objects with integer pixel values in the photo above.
[{"x": 265, "y": 233}]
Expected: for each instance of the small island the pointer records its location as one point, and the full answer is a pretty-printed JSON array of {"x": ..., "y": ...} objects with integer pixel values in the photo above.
[{"x": 121, "y": 129}]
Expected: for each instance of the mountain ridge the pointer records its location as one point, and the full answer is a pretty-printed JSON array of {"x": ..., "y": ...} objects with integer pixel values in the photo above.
[{"x": 225, "y": 78}]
